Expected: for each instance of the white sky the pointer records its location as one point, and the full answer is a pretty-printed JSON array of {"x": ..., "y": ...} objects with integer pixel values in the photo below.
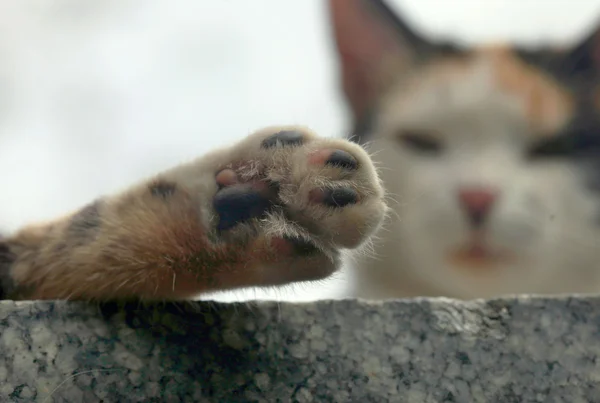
[{"x": 96, "y": 95}]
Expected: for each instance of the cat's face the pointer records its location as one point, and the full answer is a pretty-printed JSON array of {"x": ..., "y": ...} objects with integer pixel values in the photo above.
[
  {"x": 480, "y": 205},
  {"x": 488, "y": 154}
]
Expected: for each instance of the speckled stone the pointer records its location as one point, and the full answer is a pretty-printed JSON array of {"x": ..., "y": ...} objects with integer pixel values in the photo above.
[{"x": 514, "y": 350}]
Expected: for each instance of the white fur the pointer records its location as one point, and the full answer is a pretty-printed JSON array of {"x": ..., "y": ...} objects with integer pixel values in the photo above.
[{"x": 544, "y": 215}]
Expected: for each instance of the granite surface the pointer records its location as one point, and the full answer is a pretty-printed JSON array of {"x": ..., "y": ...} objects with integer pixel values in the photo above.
[{"x": 514, "y": 350}]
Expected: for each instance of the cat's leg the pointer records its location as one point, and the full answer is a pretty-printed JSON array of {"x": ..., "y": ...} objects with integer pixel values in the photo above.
[{"x": 275, "y": 208}]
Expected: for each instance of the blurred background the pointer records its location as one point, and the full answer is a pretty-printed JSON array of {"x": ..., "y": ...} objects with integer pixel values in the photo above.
[{"x": 96, "y": 95}]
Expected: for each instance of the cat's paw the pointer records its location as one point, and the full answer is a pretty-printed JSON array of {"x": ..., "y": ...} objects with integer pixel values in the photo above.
[
  {"x": 276, "y": 208},
  {"x": 293, "y": 200}
]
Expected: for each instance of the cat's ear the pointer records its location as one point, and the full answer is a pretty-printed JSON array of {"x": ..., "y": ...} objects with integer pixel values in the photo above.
[
  {"x": 372, "y": 42},
  {"x": 583, "y": 59}
]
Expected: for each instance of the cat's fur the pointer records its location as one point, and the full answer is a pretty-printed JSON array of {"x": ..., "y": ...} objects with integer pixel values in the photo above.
[
  {"x": 275, "y": 208},
  {"x": 491, "y": 154}
]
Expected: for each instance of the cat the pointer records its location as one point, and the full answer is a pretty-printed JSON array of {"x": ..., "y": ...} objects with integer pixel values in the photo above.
[
  {"x": 490, "y": 155},
  {"x": 278, "y": 207}
]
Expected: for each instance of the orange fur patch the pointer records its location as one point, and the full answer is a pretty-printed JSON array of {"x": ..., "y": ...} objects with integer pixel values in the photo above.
[
  {"x": 548, "y": 105},
  {"x": 146, "y": 247}
]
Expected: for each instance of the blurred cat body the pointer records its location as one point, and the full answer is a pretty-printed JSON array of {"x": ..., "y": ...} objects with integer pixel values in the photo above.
[{"x": 491, "y": 157}]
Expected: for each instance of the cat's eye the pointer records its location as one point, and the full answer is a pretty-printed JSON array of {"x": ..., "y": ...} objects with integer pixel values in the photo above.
[
  {"x": 420, "y": 141},
  {"x": 556, "y": 147}
]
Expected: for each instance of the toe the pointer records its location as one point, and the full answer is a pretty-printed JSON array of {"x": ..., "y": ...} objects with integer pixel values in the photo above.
[
  {"x": 284, "y": 138},
  {"x": 236, "y": 204}
]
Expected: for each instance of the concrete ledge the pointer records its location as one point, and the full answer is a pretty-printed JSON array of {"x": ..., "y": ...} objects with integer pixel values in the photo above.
[{"x": 514, "y": 350}]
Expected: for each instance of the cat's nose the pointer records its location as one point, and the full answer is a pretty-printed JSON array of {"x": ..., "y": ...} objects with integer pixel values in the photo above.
[{"x": 477, "y": 203}]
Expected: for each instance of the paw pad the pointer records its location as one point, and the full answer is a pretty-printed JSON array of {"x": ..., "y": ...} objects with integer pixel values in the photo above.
[
  {"x": 236, "y": 204},
  {"x": 226, "y": 177},
  {"x": 283, "y": 138},
  {"x": 342, "y": 159},
  {"x": 340, "y": 197}
]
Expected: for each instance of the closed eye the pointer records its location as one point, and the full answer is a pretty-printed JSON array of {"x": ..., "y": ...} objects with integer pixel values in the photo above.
[
  {"x": 421, "y": 142},
  {"x": 556, "y": 147}
]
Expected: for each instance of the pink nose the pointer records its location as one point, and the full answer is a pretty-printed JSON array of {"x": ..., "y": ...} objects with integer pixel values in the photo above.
[{"x": 477, "y": 203}]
